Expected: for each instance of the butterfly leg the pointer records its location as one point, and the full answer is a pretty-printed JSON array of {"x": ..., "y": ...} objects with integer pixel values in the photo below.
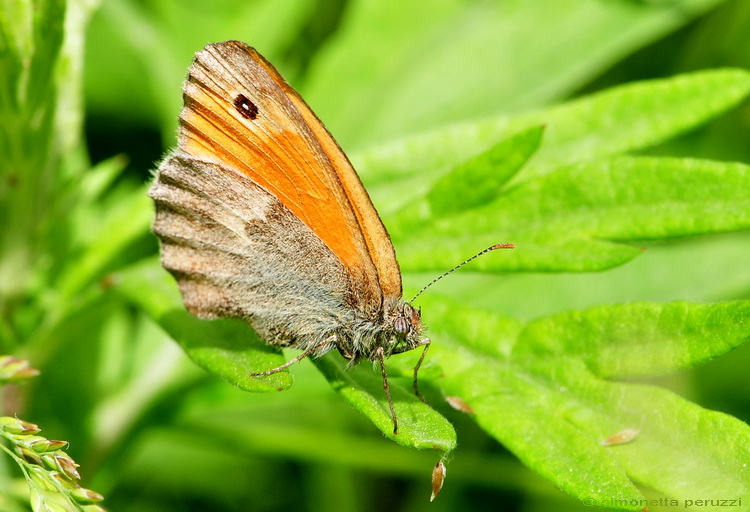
[
  {"x": 387, "y": 388},
  {"x": 426, "y": 342},
  {"x": 296, "y": 359}
]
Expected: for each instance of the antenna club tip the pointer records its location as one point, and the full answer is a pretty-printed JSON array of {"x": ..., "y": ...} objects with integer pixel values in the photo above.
[{"x": 502, "y": 246}]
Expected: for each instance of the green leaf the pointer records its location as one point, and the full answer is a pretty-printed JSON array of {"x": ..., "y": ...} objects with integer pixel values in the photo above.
[
  {"x": 419, "y": 425},
  {"x": 98, "y": 179},
  {"x": 633, "y": 116},
  {"x": 468, "y": 185},
  {"x": 479, "y": 180},
  {"x": 228, "y": 348},
  {"x": 578, "y": 218},
  {"x": 621, "y": 119},
  {"x": 544, "y": 404},
  {"x": 639, "y": 339}
]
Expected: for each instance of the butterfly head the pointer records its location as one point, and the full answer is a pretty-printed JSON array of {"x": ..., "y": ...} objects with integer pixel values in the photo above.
[
  {"x": 401, "y": 331},
  {"x": 408, "y": 320}
]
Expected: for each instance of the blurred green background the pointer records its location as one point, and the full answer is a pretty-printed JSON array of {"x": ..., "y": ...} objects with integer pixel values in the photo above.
[{"x": 153, "y": 432}]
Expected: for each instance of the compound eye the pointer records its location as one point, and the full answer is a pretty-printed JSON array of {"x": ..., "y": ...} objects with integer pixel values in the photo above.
[{"x": 402, "y": 325}]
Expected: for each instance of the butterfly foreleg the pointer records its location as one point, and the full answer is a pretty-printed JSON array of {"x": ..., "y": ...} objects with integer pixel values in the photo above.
[{"x": 297, "y": 359}]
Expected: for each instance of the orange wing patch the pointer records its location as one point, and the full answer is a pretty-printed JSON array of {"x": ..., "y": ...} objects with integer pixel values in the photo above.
[{"x": 378, "y": 241}]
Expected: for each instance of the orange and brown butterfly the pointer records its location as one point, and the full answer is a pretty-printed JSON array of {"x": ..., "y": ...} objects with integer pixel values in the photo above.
[{"x": 261, "y": 216}]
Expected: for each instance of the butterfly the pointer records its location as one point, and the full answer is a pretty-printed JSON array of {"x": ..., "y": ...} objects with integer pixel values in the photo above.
[{"x": 262, "y": 217}]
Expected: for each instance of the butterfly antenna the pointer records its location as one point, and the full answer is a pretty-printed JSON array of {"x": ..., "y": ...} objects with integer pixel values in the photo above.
[{"x": 438, "y": 278}]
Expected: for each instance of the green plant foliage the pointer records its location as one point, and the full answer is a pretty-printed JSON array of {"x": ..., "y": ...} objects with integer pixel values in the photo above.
[
  {"x": 480, "y": 179},
  {"x": 419, "y": 425},
  {"x": 606, "y": 139},
  {"x": 546, "y": 396},
  {"x": 592, "y": 127},
  {"x": 576, "y": 219},
  {"x": 51, "y": 475}
]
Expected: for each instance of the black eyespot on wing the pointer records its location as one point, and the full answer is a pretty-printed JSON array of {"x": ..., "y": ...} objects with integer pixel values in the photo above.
[{"x": 245, "y": 107}]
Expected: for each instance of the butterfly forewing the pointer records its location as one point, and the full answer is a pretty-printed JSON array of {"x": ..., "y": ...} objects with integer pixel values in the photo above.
[{"x": 285, "y": 149}]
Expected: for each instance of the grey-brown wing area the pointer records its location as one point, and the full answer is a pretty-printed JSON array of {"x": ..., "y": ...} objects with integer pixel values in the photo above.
[{"x": 237, "y": 251}]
